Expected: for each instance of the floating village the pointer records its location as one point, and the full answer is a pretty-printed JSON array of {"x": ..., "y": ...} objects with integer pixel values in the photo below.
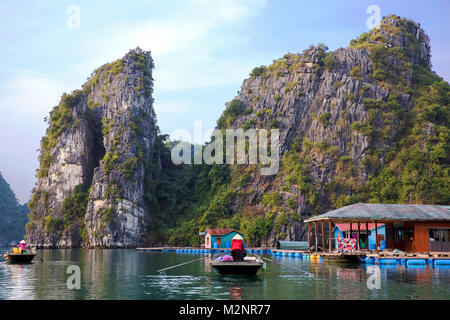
[{"x": 381, "y": 234}]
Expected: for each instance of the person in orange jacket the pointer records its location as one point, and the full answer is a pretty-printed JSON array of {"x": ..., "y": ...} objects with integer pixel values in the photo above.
[{"x": 237, "y": 248}]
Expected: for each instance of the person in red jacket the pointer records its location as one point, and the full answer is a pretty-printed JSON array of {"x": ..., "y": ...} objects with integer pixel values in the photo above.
[{"x": 237, "y": 248}]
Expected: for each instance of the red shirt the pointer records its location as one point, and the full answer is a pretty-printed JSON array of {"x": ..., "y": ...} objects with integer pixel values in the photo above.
[{"x": 237, "y": 245}]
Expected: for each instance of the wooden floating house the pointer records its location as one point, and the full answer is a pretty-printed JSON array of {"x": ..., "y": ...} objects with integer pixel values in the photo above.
[
  {"x": 367, "y": 239},
  {"x": 220, "y": 238},
  {"x": 409, "y": 228}
]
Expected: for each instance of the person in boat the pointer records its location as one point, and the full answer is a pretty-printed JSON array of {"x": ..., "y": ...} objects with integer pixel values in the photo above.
[
  {"x": 22, "y": 246},
  {"x": 237, "y": 248}
]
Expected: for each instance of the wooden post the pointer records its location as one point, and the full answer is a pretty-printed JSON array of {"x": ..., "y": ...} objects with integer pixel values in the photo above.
[
  {"x": 323, "y": 237},
  {"x": 329, "y": 236},
  {"x": 359, "y": 236},
  {"x": 309, "y": 236},
  {"x": 376, "y": 236},
  {"x": 351, "y": 230},
  {"x": 367, "y": 232},
  {"x": 315, "y": 233}
]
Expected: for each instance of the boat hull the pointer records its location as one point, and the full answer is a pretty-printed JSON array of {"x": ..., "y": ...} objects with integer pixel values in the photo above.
[
  {"x": 243, "y": 268},
  {"x": 340, "y": 258},
  {"x": 19, "y": 257}
]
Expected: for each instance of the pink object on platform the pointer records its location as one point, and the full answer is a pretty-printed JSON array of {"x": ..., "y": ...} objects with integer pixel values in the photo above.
[
  {"x": 227, "y": 258},
  {"x": 346, "y": 245}
]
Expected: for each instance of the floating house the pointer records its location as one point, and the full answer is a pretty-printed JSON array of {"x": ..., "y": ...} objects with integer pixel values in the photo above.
[
  {"x": 220, "y": 238},
  {"x": 407, "y": 227},
  {"x": 367, "y": 239}
]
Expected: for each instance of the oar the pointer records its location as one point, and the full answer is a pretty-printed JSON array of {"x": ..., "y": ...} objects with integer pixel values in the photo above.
[
  {"x": 42, "y": 260},
  {"x": 184, "y": 263},
  {"x": 179, "y": 265},
  {"x": 285, "y": 265}
]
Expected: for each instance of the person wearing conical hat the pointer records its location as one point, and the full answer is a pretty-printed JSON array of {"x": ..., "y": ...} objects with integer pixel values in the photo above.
[
  {"x": 237, "y": 248},
  {"x": 23, "y": 245}
]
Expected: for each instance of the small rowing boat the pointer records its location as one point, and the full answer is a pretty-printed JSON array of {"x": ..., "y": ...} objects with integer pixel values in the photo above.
[
  {"x": 23, "y": 257},
  {"x": 250, "y": 266}
]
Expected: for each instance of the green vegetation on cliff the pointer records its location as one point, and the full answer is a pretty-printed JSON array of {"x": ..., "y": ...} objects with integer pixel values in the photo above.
[{"x": 13, "y": 216}]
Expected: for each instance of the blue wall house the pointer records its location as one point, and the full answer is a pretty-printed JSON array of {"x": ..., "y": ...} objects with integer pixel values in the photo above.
[
  {"x": 220, "y": 238},
  {"x": 342, "y": 230}
]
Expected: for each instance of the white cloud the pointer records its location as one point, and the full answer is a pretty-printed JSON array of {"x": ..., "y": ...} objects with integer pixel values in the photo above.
[
  {"x": 170, "y": 108},
  {"x": 29, "y": 94},
  {"x": 186, "y": 42}
]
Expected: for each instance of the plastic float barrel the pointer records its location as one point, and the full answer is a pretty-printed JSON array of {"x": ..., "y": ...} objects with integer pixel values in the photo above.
[
  {"x": 370, "y": 260},
  {"x": 291, "y": 254},
  {"x": 387, "y": 261},
  {"x": 298, "y": 254},
  {"x": 416, "y": 262},
  {"x": 441, "y": 262},
  {"x": 403, "y": 261},
  {"x": 285, "y": 254}
]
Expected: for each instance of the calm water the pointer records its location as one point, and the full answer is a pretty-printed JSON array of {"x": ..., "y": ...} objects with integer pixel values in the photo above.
[{"x": 129, "y": 274}]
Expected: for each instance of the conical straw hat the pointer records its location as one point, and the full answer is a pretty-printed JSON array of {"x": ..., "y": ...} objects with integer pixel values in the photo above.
[{"x": 238, "y": 237}]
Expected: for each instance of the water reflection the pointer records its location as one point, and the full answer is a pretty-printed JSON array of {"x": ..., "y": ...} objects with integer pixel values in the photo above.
[{"x": 129, "y": 274}]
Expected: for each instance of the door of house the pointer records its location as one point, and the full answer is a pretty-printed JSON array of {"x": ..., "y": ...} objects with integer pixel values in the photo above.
[
  {"x": 399, "y": 236},
  {"x": 380, "y": 237},
  {"x": 439, "y": 239}
]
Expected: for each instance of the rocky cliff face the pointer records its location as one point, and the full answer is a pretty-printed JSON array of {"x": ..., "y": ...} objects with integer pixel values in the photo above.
[
  {"x": 95, "y": 161},
  {"x": 326, "y": 107},
  {"x": 345, "y": 120}
]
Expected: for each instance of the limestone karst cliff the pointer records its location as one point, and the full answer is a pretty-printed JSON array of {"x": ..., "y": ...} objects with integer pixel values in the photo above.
[
  {"x": 367, "y": 123},
  {"x": 95, "y": 160}
]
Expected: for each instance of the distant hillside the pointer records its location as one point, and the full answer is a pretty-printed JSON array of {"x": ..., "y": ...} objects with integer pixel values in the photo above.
[{"x": 13, "y": 216}]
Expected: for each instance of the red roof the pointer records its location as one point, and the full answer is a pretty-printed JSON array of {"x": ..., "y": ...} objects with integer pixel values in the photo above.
[
  {"x": 362, "y": 226},
  {"x": 220, "y": 232}
]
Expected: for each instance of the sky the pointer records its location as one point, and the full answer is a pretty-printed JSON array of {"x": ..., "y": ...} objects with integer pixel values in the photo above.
[{"x": 203, "y": 50}]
